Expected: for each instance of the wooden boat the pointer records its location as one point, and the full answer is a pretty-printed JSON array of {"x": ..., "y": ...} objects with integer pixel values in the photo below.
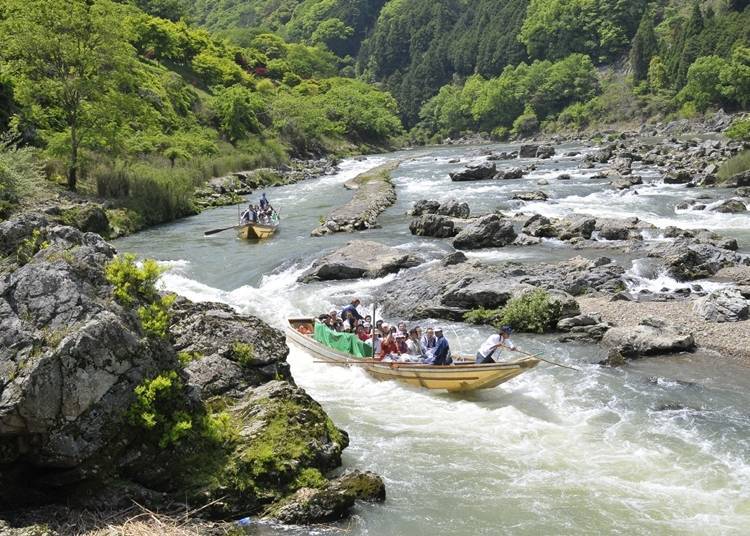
[
  {"x": 463, "y": 375},
  {"x": 256, "y": 231}
]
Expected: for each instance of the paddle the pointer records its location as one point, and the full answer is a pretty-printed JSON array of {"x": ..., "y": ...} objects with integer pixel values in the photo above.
[
  {"x": 214, "y": 231},
  {"x": 540, "y": 358}
]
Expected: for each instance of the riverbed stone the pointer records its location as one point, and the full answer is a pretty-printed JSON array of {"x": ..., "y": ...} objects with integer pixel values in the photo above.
[
  {"x": 537, "y": 195},
  {"x": 539, "y": 226},
  {"x": 486, "y": 232},
  {"x": 545, "y": 151},
  {"x": 623, "y": 183},
  {"x": 478, "y": 172},
  {"x": 360, "y": 259},
  {"x": 653, "y": 336},
  {"x": 723, "y": 305},
  {"x": 528, "y": 150},
  {"x": 425, "y": 206},
  {"x": 454, "y": 209},
  {"x": 434, "y": 226},
  {"x": 730, "y": 206}
]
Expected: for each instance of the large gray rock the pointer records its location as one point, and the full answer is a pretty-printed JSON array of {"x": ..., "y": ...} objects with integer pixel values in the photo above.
[
  {"x": 360, "y": 258},
  {"x": 539, "y": 226},
  {"x": 479, "y": 172},
  {"x": 575, "y": 226},
  {"x": 545, "y": 151},
  {"x": 623, "y": 183},
  {"x": 537, "y": 195},
  {"x": 15, "y": 231},
  {"x": 653, "y": 336},
  {"x": 739, "y": 180},
  {"x": 486, "y": 232},
  {"x": 730, "y": 206},
  {"x": 724, "y": 305},
  {"x": 678, "y": 177},
  {"x": 528, "y": 150},
  {"x": 685, "y": 260},
  {"x": 454, "y": 209},
  {"x": 434, "y": 226},
  {"x": 424, "y": 206}
]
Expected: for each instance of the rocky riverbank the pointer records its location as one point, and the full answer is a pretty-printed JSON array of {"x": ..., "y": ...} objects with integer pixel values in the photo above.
[
  {"x": 373, "y": 193},
  {"x": 113, "y": 392}
]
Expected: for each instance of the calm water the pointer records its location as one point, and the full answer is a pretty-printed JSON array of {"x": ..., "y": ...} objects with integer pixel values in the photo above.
[{"x": 659, "y": 447}]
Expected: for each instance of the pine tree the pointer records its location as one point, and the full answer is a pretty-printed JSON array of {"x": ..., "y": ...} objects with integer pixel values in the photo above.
[
  {"x": 644, "y": 47},
  {"x": 687, "y": 48}
]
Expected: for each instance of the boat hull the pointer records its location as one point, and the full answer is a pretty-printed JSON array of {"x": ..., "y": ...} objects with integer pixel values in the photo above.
[
  {"x": 256, "y": 231},
  {"x": 460, "y": 377}
]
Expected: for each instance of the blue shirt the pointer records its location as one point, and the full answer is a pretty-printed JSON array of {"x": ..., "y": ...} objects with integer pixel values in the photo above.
[
  {"x": 351, "y": 308},
  {"x": 440, "y": 355}
]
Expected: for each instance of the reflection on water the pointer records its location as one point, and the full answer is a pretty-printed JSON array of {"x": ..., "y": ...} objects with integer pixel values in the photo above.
[{"x": 659, "y": 447}]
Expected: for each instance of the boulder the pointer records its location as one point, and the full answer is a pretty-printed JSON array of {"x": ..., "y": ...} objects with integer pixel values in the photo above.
[
  {"x": 545, "y": 151},
  {"x": 510, "y": 173},
  {"x": 15, "y": 231},
  {"x": 528, "y": 150},
  {"x": 537, "y": 195},
  {"x": 730, "y": 206},
  {"x": 87, "y": 218},
  {"x": 743, "y": 192},
  {"x": 425, "y": 206},
  {"x": 739, "y": 180},
  {"x": 685, "y": 260},
  {"x": 540, "y": 227},
  {"x": 622, "y": 164},
  {"x": 613, "y": 231},
  {"x": 434, "y": 226},
  {"x": 454, "y": 209},
  {"x": 330, "y": 502},
  {"x": 486, "y": 232},
  {"x": 360, "y": 259},
  {"x": 575, "y": 226},
  {"x": 583, "y": 328},
  {"x": 623, "y": 183},
  {"x": 563, "y": 177},
  {"x": 477, "y": 172},
  {"x": 724, "y": 305},
  {"x": 653, "y": 336},
  {"x": 678, "y": 177}
]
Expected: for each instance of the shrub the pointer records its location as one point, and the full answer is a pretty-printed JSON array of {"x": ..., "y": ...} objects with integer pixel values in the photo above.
[
  {"x": 244, "y": 353},
  {"x": 526, "y": 124},
  {"x": 188, "y": 357},
  {"x": 739, "y": 129},
  {"x": 533, "y": 312},
  {"x": 31, "y": 246},
  {"x": 159, "y": 408},
  {"x": 155, "y": 317},
  {"x": 310, "y": 478},
  {"x": 20, "y": 172},
  {"x": 133, "y": 283},
  {"x": 737, "y": 164},
  {"x": 482, "y": 316}
]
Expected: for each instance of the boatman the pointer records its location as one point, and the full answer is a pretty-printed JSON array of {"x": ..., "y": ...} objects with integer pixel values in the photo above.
[
  {"x": 263, "y": 201},
  {"x": 352, "y": 308},
  {"x": 493, "y": 344},
  {"x": 442, "y": 352}
]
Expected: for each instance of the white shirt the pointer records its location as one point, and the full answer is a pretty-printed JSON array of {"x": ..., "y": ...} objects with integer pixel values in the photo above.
[{"x": 494, "y": 340}]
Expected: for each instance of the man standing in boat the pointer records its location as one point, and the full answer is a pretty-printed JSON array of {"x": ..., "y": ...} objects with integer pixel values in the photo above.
[
  {"x": 352, "y": 308},
  {"x": 493, "y": 344},
  {"x": 264, "y": 201}
]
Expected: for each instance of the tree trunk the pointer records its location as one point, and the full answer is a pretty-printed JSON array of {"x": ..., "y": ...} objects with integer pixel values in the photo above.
[{"x": 73, "y": 168}]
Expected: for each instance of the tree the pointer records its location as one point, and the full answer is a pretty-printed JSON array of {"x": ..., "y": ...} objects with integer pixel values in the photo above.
[
  {"x": 66, "y": 57},
  {"x": 657, "y": 74},
  {"x": 237, "y": 110},
  {"x": 644, "y": 47}
]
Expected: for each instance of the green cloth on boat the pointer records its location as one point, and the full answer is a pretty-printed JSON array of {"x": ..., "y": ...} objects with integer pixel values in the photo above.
[{"x": 343, "y": 342}]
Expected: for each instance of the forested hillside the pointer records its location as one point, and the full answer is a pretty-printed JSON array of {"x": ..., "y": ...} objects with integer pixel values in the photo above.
[
  {"x": 640, "y": 51},
  {"x": 141, "y": 109}
]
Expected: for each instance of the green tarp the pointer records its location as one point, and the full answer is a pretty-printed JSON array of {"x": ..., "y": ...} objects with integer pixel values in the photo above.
[{"x": 343, "y": 342}]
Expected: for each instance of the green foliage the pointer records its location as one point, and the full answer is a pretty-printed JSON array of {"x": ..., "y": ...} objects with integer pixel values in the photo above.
[
  {"x": 237, "y": 110},
  {"x": 310, "y": 478},
  {"x": 159, "y": 408},
  {"x": 737, "y": 164},
  {"x": 657, "y": 74},
  {"x": 533, "y": 312},
  {"x": 155, "y": 317},
  {"x": 482, "y": 316},
  {"x": 644, "y": 47},
  {"x": 133, "y": 283},
  {"x": 66, "y": 84},
  {"x": 518, "y": 96},
  {"x": 186, "y": 358},
  {"x": 244, "y": 353},
  {"x": 527, "y": 123},
  {"x": 31, "y": 246},
  {"x": 20, "y": 172},
  {"x": 712, "y": 80},
  {"x": 739, "y": 129}
]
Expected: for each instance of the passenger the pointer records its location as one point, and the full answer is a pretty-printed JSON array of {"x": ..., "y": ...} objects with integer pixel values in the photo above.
[
  {"x": 352, "y": 307},
  {"x": 413, "y": 347},
  {"x": 368, "y": 328},
  {"x": 402, "y": 327},
  {"x": 376, "y": 341},
  {"x": 361, "y": 333},
  {"x": 494, "y": 343},
  {"x": 379, "y": 325},
  {"x": 368, "y": 318},
  {"x": 401, "y": 343},
  {"x": 441, "y": 353},
  {"x": 428, "y": 342},
  {"x": 349, "y": 323},
  {"x": 388, "y": 349},
  {"x": 247, "y": 215}
]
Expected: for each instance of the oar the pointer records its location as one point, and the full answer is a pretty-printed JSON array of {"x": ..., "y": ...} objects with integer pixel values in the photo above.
[
  {"x": 540, "y": 358},
  {"x": 214, "y": 231}
]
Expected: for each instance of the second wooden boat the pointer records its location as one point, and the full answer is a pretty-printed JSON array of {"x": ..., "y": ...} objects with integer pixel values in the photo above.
[
  {"x": 464, "y": 375},
  {"x": 256, "y": 231}
]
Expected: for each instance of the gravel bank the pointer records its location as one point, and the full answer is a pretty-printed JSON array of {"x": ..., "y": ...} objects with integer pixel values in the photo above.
[{"x": 731, "y": 340}]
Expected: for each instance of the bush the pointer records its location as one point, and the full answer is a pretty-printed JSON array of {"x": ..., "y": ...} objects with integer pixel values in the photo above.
[
  {"x": 533, "y": 312},
  {"x": 244, "y": 353},
  {"x": 740, "y": 129},
  {"x": 155, "y": 317},
  {"x": 185, "y": 358},
  {"x": 133, "y": 283},
  {"x": 737, "y": 164},
  {"x": 482, "y": 316},
  {"x": 20, "y": 172},
  {"x": 526, "y": 124},
  {"x": 159, "y": 408},
  {"x": 31, "y": 246}
]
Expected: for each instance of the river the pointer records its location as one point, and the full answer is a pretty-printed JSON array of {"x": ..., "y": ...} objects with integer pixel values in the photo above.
[{"x": 661, "y": 446}]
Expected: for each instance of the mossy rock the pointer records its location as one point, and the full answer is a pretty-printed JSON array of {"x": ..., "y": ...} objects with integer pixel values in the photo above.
[{"x": 89, "y": 218}]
